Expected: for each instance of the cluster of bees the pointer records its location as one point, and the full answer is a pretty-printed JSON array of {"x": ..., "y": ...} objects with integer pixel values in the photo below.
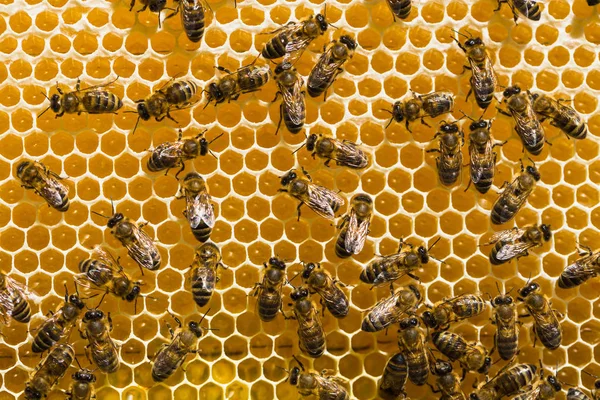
[{"x": 416, "y": 360}]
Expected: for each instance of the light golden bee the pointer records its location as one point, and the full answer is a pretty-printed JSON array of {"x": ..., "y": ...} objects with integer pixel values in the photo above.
[
  {"x": 483, "y": 157},
  {"x": 45, "y": 183},
  {"x": 581, "y": 270},
  {"x": 510, "y": 380},
  {"x": 293, "y": 104},
  {"x": 269, "y": 290},
  {"x": 449, "y": 163},
  {"x": 203, "y": 272},
  {"x": 395, "y": 374},
  {"x": 354, "y": 227},
  {"x": 247, "y": 79},
  {"x": 311, "y": 383},
  {"x": 471, "y": 356},
  {"x": 49, "y": 372},
  {"x": 329, "y": 65},
  {"x": 515, "y": 242},
  {"x": 192, "y": 17},
  {"x": 82, "y": 387},
  {"x": 311, "y": 335},
  {"x": 390, "y": 310},
  {"x": 527, "y": 125},
  {"x": 504, "y": 317},
  {"x": 411, "y": 341},
  {"x": 420, "y": 106},
  {"x": 546, "y": 326},
  {"x": 447, "y": 382},
  {"x": 514, "y": 195},
  {"x": 343, "y": 152},
  {"x": 453, "y": 310},
  {"x": 320, "y": 281},
  {"x": 14, "y": 301},
  {"x": 530, "y": 9},
  {"x": 563, "y": 117},
  {"x": 199, "y": 212},
  {"x": 101, "y": 348}
]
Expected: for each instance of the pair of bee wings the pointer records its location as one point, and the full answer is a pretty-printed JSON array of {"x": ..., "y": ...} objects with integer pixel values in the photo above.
[
  {"x": 293, "y": 99},
  {"x": 203, "y": 274},
  {"x": 483, "y": 75},
  {"x": 199, "y": 210},
  {"x": 51, "y": 190},
  {"x": 528, "y": 126},
  {"x": 251, "y": 74},
  {"x": 392, "y": 268},
  {"x": 515, "y": 246},
  {"x": 347, "y": 153},
  {"x": 142, "y": 249},
  {"x": 326, "y": 68},
  {"x": 585, "y": 267},
  {"x": 333, "y": 296},
  {"x": 356, "y": 234},
  {"x": 7, "y": 305},
  {"x": 322, "y": 200},
  {"x": 174, "y": 351},
  {"x": 171, "y": 151},
  {"x": 297, "y": 41},
  {"x": 388, "y": 307},
  {"x": 103, "y": 273},
  {"x": 481, "y": 161}
]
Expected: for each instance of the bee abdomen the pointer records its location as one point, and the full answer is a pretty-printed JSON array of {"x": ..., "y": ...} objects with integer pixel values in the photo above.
[
  {"x": 155, "y": 163},
  {"x": 400, "y": 8},
  {"x": 418, "y": 370},
  {"x": 503, "y": 211},
  {"x": 551, "y": 337},
  {"x": 529, "y": 9},
  {"x": 21, "y": 311},
  {"x": 507, "y": 346},
  {"x": 269, "y": 304},
  {"x": 448, "y": 176},
  {"x": 275, "y": 48},
  {"x": 107, "y": 361},
  {"x": 577, "y": 131},
  {"x": 394, "y": 377},
  {"x": 312, "y": 341},
  {"x": 341, "y": 308},
  {"x": 64, "y": 205},
  {"x": 449, "y": 344},
  {"x": 340, "y": 246},
  {"x": 493, "y": 254},
  {"x": 202, "y": 232},
  {"x": 485, "y": 94},
  {"x": 46, "y": 338},
  {"x": 97, "y": 102},
  {"x": 565, "y": 282},
  {"x": 192, "y": 19},
  {"x": 484, "y": 183},
  {"x": 201, "y": 294},
  {"x": 370, "y": 274},
  {"x": 159, "y": 376},
  {"x": 181, "y": 92},
  {"x": 291, "y": 124}
]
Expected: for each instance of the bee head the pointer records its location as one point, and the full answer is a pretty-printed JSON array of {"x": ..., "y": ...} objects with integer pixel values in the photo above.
[
  {"x": 294, "y": 375},
  {"x": 531, "y": 170},
  {"x": 287, "y": 178},
  {"x": 76, "y": 301},
  {"x": 449, "y": 128},
  {"x": 511, "y": 91},
  {"x": 546, "y": 231},
  {"x": 442, "y": 367},
  {"x": 473, "y": 42},
  {"x": 478, "y": 125},
  {"x": 527, "y": 290},
  {"x": 502, "y": 299},
  {"x": 115, "y": 219},
  {"x": 415, "y": 291},
  {"x": 94, "y": 315},
  {"x": 535, "y": 96},
  {"x": 552, "y": 381},
  {"x": 473, "y": 396},
  {"x": 55, "y": 104},
  {"x": 423, "y": 254},
  {"x": 322, "y": 22},
  {"x": 308, "y": 269},
  {"x": 84, "y": 375},
  {"x": 214, "y": 91},
  {"x": 143, "y": 111},
  {"x": 135, "y": 292},
  {"x": 486, "y": 366},
  {"x": 398, "y": 112},
  {"x": 365, "y": 198},
  {"x": 299, "y": 294},
  {"x": 190, "y": 147},
  {"x": 195, "y": 328},
  {"x": 311, "y": 141},
  {"x": 276, "y": 263},
  {"x": 22, "y": 167},
  {"x": 429, "y": 320},
  {"x": 348, "y": 41},
  {"x": 157, "y": 5}
]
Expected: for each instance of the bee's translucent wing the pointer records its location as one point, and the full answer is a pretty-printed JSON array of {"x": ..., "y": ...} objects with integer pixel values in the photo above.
[
  {"x": 142, "y": 249},
  {"x": 323, "y": 201},
  {"x": 356, "y": 234}
]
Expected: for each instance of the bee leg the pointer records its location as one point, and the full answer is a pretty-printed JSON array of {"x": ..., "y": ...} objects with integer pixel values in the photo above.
[
  {"x": 432, "y": 151},
  {"x": 416, "y": 278},
  {"x": 110, "y": 323},
  {"x": 280, "y": 117},
  {"x": 180, "y": 170},
  {"x": 298, "y": 209},
  {"x": 223, "y": 69},
  {"x": 322, "y": 308},
  {"x": 468, "y": 185},
  {"x": 425, "y": 123},
  {"x": 131, "y": 5},
  {"x": 501, "y": 111},
  {"x": 499, "y": 144},
  {"x": 464, "y": 375},
  {"x": 276, "y": 95},
  {"x": 433, "y": 390},
  {"x": 407, "y": 127},
  {"x": 327, "y": 162},
  {"x": 142, "y": 9},
  {"x": 470, "y": 90}
]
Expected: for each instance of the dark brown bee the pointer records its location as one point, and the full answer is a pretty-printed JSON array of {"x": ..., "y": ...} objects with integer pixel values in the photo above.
[
  {"x": 391, "y": 309},
  {"x": 545, "y": 389},
  {"x": 90, "y": 100},
  {"x": 420, "y": 106},
  {"x": 173, "y": 95},
  {"x": 516, "y": 242},
  {"x": 203, "y": 272},
  {"x": 483, "y": 78},
  {"x": 101, "y": 348},
  {"x": 506, "y": 337},
  {"x": 343, "y": 152},
  {"x": 329, "y": 65},
  {"x": 155, "y": 6},
  {"x": 514, "y": 195},
  {"x": 174, "y": 154},
  {"x": 311, "y": 383},
  {"x": 528, "y": 8},
  {"x": 563, "y": 117},
  {"x": 510, "y": 380},
  {"x": 245, "y": 80},
  {"x": 354, "y": 227},
  {"x": 321, "y": 200},
  {"x": 447, "y": 382},
  {"x": 581, "y": 270},
  {"x": 172, "y": 355},
  {"x": 391, "y": 384},
  {"x": 483, "y": 157},
  {"x": 411, "y": 342},
  {"x": 192, "y": 17},
  {"x": 59, "y": 324},
  {"x": 269, "y": 290},
  {"x": 13, "y": 301},
  {"x": 310, "y": 329},
  {"x": 400, "y": 8},
  {"x": 389, "y": 268},
  {"x": 48, "y": 372},
  {"x": 294, "y": 37},
  {"x": 527, "y": 125},
  {"x": 82, "y": 387},
  {"x": 45, "y": 183},
  {"x": 449, "y": 163},
  {"x": 293, "y": 104},
  {"x": 545, "y": 320},
  {"x": 198, "y": 210},
  {"x": 471, "y": 356},
  {"x": 452, "y": 310},
  {"x": 320, "y": 281}
]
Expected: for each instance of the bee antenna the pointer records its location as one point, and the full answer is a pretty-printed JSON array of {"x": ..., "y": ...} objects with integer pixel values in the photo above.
[
  {"x": 298, "y": 149},
  {"x": 43, "y": 112},
  {"x": 222, "y": 133},
  {"x": 465, "y": 115},
  {"x": 77, "y": 361},
  {"x": 498, "y": 287},
  {"x": 204, "y": 316},
  {"x": 100, "y": 215},
  {"x": 434, "y": 243},
  {"x": 212, "y": 153},
  {"x": 590, "y": 374},
  {"x": 461, "y": 34},
  {"x": 290, "y": 281},
  {"x": 101, "y": 299},
  {"x": 299, "y": 362},
  {"x": 386, "y": 110},
  {"x": 389, "y": 123},
  {"x": 136, "y": 124}
]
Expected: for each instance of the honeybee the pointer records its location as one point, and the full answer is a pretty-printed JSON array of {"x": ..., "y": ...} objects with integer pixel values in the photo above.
[
  {"x": 320, "y": 281},
  {"x": 453, "y": 310},
  {"x": 59, "y": 324},
  {"x": 174, "y": 154},
  {"x": 245, "y": 80},
  {"x": 516, "y": 242},
  {"x": 510, "y": 380},
  {"x": 506, "y": 337},
  {"x": 90, "y": 100},
  {"x": 391, "y": 384},
  {"x": 203, "y": 272},
  {"x": 329, "y": 65},
  {"x": 449, "y": 163},
  {"x": 563, "y": 117},
  {"x": 400, "y": 8},
  {"x": 528, "y": 8},
  {"x": 321, "y": 200},
  {"x": 192, "y": 17},
  {"x": 49, "y": 372},
  {"x": 581, "y": 270},
  {"x": 411, "y": 342},
  {"x": 293, "y": 104},
  {"x": 471, "y": 356},
  {"x": 311, "y": 383},
  {"x": 173, "y": 95},
  {"x": 45, "y": 183},
  {"x": 527, "y": 126},
  {"x": 343, "y": 152},
  {"x": 545, "y": 320},
  {"x": 544, "y": 389},
  {"x": 155, "y": 6},
  {"x": 310, "y": 329},
  {"x": 390, "y": 310},
  {"x": 483, "y": 79},
  {"x": 139, "y": 245},
  {"x": 171, "y": 356},
  {"x": 198, "y": 210},
  {"x": 389, "y": 268},
  {"x": 294, "y": 37},
  {"x": 420, "y": 106},
  {"x": 447, "y": 382},
  {"x": 101, "y": 348},
  {"x": 269, "y": 290},
  {"x": 82, "y": 387},
  {"x": 483, "y": 157},
  {"x": 13, "y": 301},
  {"x": 514, "y": 195},
  {"x": 354, "y": 227}
]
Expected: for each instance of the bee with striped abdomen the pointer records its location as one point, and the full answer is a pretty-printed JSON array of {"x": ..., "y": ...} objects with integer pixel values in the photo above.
[
  {"x": 45, "y": 183},
  {"x": 482, "y": 155},
  {"x": 101, "y": 348},
  {"x": 174, "y": 154},
  {"x": 514, "y": 195},
  {"x": 203, "y": 272},
  {"x": 390, "y": 310},
  {"x": 269, "y": 290},
  {"x": 578, "y": 394},
  {"x": 321, "y": 200},
  {"x": 504, "y": 317},
  {"x": 546, "y": 326},
  {"x": 530, "y": 9},
  {"x": 545, "y": 389},
  {"x": 420, "y": 106},
  {"x": 581, "y": 270},
  {"x": 516, "y": 242},
  {"x": 395, "y": 374},
  {"x": 13, "y": 301},
  {"x": 449, "y": 163},
  {"x": 245, "y": 80},
  {"x": 311, "y": 335},
  {"x": 328, "y": 288},
  {"x": 90, "y": 100},
  {"x": 354, "y": 227},
  {"x": 322, "y": 386},
  {"x": 82, "y": 387},
  {"x": 453, "y": 310},
  {"x": 192, "y": 17},
  {"x": 329, "y": 65},
  {"x": 293, "y": 104},
  {"x": 343, "y": 152},
  {"x": 400, "y": 8},
  {"x": 447, "y": 381},
  {"x": 471, "y": 356},
  {"x": 527, "y": 125},
  {"x": 411, "y": 342},
  {"x": 198, "y": 210},
  {"x": 49, "y": 371},
  {"x": 563, "y": 117},
  {"x": 510, "y": 380}
]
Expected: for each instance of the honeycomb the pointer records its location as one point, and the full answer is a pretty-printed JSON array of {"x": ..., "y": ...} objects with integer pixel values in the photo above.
[{"x": 242, "y": 358}]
